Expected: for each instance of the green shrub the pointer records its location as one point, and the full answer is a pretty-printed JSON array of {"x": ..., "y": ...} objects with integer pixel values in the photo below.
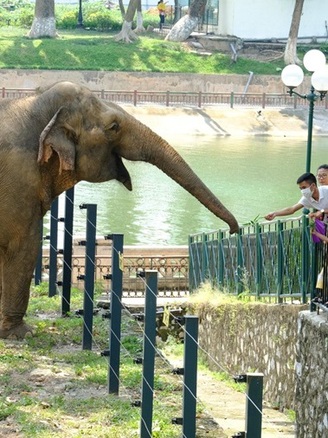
[
  {"x": 95, "y": 15},
  {"x": 99, "y": 20},
  {"x": 25, "y": 15},
  {"x": 67, "y": 20},
  {"x": 4, "y": 17}
]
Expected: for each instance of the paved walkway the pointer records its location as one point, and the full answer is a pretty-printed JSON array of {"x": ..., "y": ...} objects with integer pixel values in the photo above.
[{"x": 227, "y": 407}]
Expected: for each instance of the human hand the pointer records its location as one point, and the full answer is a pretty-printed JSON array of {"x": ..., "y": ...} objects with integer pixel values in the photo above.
[
  {"x": 315, "y": 215},
  {"x": 270, "y": 216}
]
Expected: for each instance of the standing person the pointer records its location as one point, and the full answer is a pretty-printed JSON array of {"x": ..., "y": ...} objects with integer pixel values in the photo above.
[
  {"x": 321, "y": 236},
  {"x": 312, "y": 197},
  {"x": 322, "y": 175},
  {"x": 161, "y": 10}
]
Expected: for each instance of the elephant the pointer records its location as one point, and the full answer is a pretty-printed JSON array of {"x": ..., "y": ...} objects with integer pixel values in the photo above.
[{"x": 49, "y": 141}]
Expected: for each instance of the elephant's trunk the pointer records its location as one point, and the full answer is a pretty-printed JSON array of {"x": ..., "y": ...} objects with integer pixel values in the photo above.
[{"x": 153, "y": 149}]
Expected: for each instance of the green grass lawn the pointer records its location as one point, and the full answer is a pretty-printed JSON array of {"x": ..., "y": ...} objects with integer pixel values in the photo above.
[{"x": 89, "y": 50}]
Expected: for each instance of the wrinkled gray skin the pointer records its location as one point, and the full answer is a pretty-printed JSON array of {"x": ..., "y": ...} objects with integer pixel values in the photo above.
[{"x": 48, "y": 143}]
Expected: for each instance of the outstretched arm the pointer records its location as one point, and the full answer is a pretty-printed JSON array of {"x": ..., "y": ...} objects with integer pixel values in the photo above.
[{"x": 284, "y": 212}]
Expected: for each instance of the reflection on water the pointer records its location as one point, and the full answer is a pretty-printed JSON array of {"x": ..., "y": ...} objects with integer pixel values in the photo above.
[{"x": 251, "y": 176}]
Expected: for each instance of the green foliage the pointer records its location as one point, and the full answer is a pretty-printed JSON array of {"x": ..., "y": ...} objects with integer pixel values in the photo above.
[
  {"x": 291, "y": 414},
  {"x": 99, "y": 20},
  {"x": 16, "y": 13},
  {"x": 255, "y": 221},
  {"x": 26, "y": 15},
  {"x": 132, "y": 343},
  {"x": 67, "y": 20}
]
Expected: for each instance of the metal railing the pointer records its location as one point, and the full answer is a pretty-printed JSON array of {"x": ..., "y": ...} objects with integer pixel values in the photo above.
[
  {"x": 173, "y": 271},
  {"x": 276, "y": 260},
  {"x": 188, "y": 99}
]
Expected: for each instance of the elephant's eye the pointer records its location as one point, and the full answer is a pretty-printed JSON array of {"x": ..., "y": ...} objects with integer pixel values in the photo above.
[{"x": 113, "y": 127}]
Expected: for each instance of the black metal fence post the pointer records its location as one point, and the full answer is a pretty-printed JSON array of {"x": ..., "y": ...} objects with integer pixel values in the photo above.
[
  {"x": 89, "y": 274},
  {"x": 240, "y": 264},
  {"x": 67, "y": 254},
  {"x": 254, "y": 405},
  {"x": 52, "y": 291},
  {"x": 116, "y": 313},
  {"x": 38, "y": 266},
  {"x": 149, "y": 354},
  {"x": 190, "y": 376},
  {"x": 254, "y": 397}
]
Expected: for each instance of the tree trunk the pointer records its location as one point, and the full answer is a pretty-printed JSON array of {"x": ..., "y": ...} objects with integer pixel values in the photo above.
[
  {"x": 290, "y": 55},
  {"x": 177, "y": 11},
  {"x": 122, "y": 8},
  {"x": 188, "y": 23},
  {"x": 127, "y": 35},
  {"x": 140, "y": 27},
  {"x": 44, "y": 23}
]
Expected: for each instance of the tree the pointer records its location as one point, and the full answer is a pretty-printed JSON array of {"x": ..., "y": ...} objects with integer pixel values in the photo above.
[
  {"x": 127, "y": 34},
  {"x": 122, "y": 8},
  {"x": 44, "y": 23},
  {"x": 188, "y": 23},
  {"x": 140, "y": 27},
  {"x": 290, "y": 56}
]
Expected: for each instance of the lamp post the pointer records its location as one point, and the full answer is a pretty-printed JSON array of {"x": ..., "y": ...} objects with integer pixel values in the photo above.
[
  {"x": 80, "y": 16},
  {"x": 292, "y": 76}
]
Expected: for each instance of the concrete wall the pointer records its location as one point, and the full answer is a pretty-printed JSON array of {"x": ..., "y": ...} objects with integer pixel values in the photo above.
[
  {"x": 124, "y": 81},
  {"x": 253, "y": 337},
  {"x": 286, "y": 343},
  {"x": 312, "y": 376}
]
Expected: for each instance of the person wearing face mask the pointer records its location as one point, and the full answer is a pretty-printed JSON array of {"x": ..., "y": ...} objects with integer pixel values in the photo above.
[{"x": 312, "y": 197}]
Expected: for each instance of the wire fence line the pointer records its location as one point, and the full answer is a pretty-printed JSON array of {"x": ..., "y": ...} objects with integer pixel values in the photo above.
[
  {"x": 153, "y": 345},
  {"x": 188, "y": 99}
]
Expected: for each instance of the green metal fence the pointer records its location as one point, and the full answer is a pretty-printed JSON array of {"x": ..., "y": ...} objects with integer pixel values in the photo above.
[{"x": 276, "y": 259}]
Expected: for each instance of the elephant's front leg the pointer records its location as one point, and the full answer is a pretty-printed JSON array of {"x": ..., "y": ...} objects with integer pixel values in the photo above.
[{"x": 17, "y": 266}]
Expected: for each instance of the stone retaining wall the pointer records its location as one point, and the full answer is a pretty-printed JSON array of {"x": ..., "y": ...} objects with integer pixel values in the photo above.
[
  {"x": 311, "y": 402},
  {"x": 253, "y": 337},
  {"x": 127, "y": 81}
]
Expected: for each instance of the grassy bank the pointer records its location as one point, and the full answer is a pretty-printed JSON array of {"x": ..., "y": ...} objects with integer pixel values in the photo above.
[{"x": 90, "y": 50}]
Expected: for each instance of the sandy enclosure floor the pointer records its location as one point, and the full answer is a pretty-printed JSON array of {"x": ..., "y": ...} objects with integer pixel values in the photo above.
[{"x": 169, "y": 122}]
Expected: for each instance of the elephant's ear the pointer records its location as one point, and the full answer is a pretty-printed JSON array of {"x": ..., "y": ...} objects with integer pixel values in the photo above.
[{"x": 55, "y": 137}]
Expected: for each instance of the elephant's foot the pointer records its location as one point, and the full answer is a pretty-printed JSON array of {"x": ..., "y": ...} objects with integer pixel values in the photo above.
[{"x": 19, "y": 331}]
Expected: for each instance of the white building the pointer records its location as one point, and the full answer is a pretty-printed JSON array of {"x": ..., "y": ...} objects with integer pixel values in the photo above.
[{"x": 266, "y": 19}]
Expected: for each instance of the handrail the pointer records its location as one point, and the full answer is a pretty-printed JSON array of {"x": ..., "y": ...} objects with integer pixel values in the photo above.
[
  {"x": 185, "y": 98},
  {"x": 264, "y": 260}
]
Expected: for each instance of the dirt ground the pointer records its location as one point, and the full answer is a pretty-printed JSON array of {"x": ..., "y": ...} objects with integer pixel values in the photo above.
[{"x": 223, "y": 407}]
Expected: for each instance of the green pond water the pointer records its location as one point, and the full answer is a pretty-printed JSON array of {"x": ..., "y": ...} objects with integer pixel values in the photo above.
[{"x": 251, "y": 176}]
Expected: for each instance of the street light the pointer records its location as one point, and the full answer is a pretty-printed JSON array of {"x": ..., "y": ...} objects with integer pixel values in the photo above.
[
  {"x": 292, "y": 76},
  {"x": 80, "y": 16}
]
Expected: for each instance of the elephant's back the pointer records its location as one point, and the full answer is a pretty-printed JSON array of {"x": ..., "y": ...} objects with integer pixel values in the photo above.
[{"x": 20, "y": 127}]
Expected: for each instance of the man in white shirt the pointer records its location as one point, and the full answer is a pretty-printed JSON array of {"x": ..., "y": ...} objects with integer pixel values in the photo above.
[{"x": 312, "y": 197}]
